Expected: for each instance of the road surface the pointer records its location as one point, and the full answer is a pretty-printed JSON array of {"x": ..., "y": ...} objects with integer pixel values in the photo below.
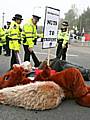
[{"x": 68, "y": 110}]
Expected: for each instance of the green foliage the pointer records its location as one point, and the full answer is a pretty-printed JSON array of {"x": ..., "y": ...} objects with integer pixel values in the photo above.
[
  {"x": 84, "y": 21},
  {"x": 72, "y": 16}
]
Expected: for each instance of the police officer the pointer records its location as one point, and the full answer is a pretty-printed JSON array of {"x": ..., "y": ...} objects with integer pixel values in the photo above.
[
  {"x": 15, "y": 38},
  {"x": 4, "y": 42},
  {"x": 63, "y": 39},
  {"x": 2, "y": 39},
  {"x": 8, "y": 51},
  {"x": 29, "y": 39}
]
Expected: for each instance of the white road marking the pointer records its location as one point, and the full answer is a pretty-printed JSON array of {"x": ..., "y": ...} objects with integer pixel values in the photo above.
[
  {"x": 72, "y": 55},
  {"x": 43, "y": 53}
]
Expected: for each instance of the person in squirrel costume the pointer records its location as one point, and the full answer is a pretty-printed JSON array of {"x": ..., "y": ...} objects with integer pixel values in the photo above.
[{"x": 70, "y": 80}]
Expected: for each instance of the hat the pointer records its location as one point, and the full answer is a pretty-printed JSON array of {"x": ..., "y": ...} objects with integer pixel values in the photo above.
[
  {"x": 17, "y": 16},
  {"x": 8, "y": 23},
  {"x": 65, "y": 23},
  {"x": 36, "y": 17}
]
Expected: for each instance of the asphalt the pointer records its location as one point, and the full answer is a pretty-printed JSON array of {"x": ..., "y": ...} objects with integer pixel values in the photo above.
[{"x": 68, "y": 110}]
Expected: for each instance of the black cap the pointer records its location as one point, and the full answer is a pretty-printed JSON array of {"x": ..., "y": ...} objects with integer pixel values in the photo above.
[
  {"x": 8, "y": 23},
  {"x": 65, "y": 23},
  {"x": 36, "y": 17},
  {"x": 17, "y": 16}
]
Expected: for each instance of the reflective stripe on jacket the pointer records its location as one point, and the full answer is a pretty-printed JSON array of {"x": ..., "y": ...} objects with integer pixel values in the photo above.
[
  {"x": 2, "y": 37},
  {"x": 15, "y": 36},
  {"x": 29, "y": 33},
  {"x": 64, "y": 36}
]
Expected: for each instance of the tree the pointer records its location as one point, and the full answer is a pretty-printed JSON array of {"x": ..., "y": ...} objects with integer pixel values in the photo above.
[
  {"x": 60, "y": 21},
  {"x": 72, "y": 16},
  {"x": 84, "y": 21}
]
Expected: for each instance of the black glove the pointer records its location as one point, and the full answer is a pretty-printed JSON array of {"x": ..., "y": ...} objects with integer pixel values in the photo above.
[
  {"x": 20, "y": 29},
  {"x": 10, "y": 38},
  {"x": 41, "y": 39},
  {"x": 19, "y": 41},
  {"x": 35, "y": 41},
  {"x": 24, "y": 40},
  {"x": 14, "y": 26},
  {"x": 60, "y": 41}
]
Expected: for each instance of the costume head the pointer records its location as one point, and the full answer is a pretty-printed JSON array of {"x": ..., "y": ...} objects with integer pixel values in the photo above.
[{"x": 14, "y": 77}]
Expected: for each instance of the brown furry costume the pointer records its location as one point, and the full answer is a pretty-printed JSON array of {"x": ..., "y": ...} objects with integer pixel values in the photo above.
[
  {"x": 71, "y": 81},
  {"x": 38, "y": 95},
  {"x": 14, "y": 77}
]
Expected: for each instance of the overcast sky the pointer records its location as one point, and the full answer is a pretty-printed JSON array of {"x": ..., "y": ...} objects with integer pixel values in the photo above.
[{"x": 27, "y": 7}]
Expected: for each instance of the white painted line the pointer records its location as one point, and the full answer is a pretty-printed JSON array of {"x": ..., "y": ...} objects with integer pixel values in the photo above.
[
  {"x": 41, "y": 53},
  {"x": 72, "y": 55},
  {"x": 44, "y": 54}
]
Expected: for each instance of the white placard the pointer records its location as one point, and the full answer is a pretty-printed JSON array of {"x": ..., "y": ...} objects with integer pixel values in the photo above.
[{"x": 50, "y": 27}]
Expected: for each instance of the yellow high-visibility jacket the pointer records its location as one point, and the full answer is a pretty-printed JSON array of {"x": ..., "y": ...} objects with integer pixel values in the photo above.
[
  {"x": 15, "y": 36},
  {"x": 29, "y": 33},
  {"x": 2, "y": 36},
  {"x": 64, "y": 36},
  {"x": 5, "y": 33}
]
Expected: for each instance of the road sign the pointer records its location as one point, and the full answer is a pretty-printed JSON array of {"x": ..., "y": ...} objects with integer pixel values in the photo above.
[{"x": 50, "y": 27}]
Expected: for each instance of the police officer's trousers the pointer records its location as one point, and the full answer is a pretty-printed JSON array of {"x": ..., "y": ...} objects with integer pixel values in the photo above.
[
  {"x": 28, "y": 54},
  {"x": 61, "y": 52},
  {"x": 14, "y": 59}
]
